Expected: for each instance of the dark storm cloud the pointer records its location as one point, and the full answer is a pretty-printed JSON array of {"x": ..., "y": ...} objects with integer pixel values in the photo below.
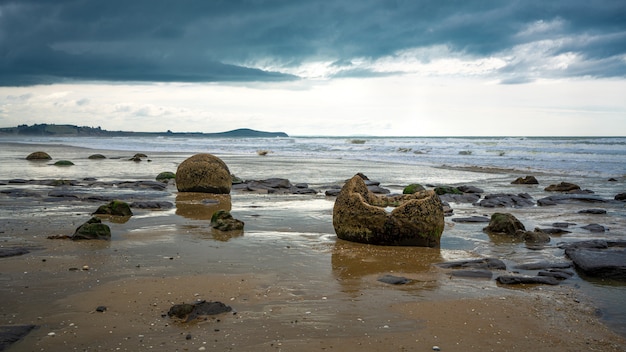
[{"x": 44, "y": 41}]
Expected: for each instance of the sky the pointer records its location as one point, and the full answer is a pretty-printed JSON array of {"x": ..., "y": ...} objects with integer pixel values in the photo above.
[{"x": 317, "y": 67}]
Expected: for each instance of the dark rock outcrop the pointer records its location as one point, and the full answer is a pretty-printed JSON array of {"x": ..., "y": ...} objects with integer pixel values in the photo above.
[
  {"x": 38, "y": 156},
  {"x": 506, "y": 200},
  {"x": 96, "y": 157},
  {"x": 526, "y": 280},
  {"x": 165, "y": 176},
  {"x": 472, "y": 219},
  {"x": 594, "y": 228},
  {"x": 504, "y": 223},
  {"x": 528, "y": 180},
  {"x": 360, "y": 216},
  {"x": 394, "y": 280},
  {"x": 607, "y": 262},
  {"x": 620, "y": 196},
  {"x": 593, "y": 211},
  {"x": 483, "y": 263},
  {"x": 10, "y": 334},
  {"x": 12, "y": 252},
  {"x": 203, "y": 173},
  {"x": 562, "y": 187},
  {"x": 569, "y": 198}
]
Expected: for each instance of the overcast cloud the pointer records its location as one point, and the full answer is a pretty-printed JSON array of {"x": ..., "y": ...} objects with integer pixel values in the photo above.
[{"x": 298, "y": 44}]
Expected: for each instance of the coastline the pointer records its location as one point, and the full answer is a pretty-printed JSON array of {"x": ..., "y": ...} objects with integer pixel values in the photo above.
[{"x": 293, "y": 285}]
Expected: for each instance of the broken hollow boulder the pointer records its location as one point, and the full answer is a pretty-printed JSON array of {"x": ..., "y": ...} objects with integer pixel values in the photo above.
[
  {"x": 204, "y": 173},
  {"x": 359, "y": 215}
]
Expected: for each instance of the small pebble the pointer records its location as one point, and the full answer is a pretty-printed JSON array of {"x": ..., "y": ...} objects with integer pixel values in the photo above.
[
  {"x": 202, "y": 348},
  {"x": 85, "y": 267},
  {"x": 436, "y": 348},
  {"x": 188, "y": 337},
  {"x": 101, "y": 309},
  {"x": 51, "y": 334}
]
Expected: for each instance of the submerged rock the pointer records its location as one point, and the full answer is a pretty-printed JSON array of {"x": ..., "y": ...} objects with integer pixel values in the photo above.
[
  {"x": 96, "y": 157},
  {"x": 507, "y": 200},
  {"x": 472, "y": 219},
  {"x": 165, "y": 176},
  {"x": 568, "y": 198},
  {"x": 11, "y": 252},
  {"x": 563, "y": 187},
  {"x": 607, "y": 262},
  {"x": 483, "y": 263},
  {"x": 526, "y": 280},
  {"x": 394, "y": 280},
  {"x": 9, "y": 334},
  {"x": 222, "y": 220},
  {"x": 360, "y": 216},
  {"x": 203, "y": 173},
  {"x": 63, "y": 163},
  {"x": 188, "y": 312}
]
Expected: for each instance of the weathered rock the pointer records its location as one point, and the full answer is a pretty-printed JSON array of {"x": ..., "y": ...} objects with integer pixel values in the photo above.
[
  {"x": 155, "y": 185},
  {"x": 472, "y": 219},
  {"x": 38, "y": 156},
  {"x": 441, "y": 190},
  {"x": 483, "y": 263},
  {"x": 607, "y": 262},
  {"x": 222, "y": 220},
  {"x": 188, "y": 312},
  {"x": 620, "y": 197},
  {"x": 360, "y": 216},
  {"x": 553, "y": 231},
  {"x": 558, "y": 274},
  {"x": 506, "y": 200},
  {"x": 460, "y": 198},
  {"x": 526, "y": 280},
  {"x": 394, "y": 280},
  {"x": 165, "y": 176},
  {"x": 116, "y": 208},
  {"x": 203, "y": 173},
  {"x": 97, "y": 156},
  {"x": 528, "y": 180},
  {"x": 536, "y": 236},
  {"x": 413, "y": 188},
  {"x": 333, "y": 192},
  {"x": 504, "y": 223},
  {"x": 562, "y": 187},
  {"x": 93, "y": 229}
]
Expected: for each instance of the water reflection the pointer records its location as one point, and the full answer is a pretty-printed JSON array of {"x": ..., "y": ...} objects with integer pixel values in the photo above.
[
  {"x": 357, "y": 266},
  {"x": 201, "y": 206}
]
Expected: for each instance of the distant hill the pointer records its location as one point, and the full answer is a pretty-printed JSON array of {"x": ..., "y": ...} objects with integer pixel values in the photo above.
[{"x": 83, "y": 131}]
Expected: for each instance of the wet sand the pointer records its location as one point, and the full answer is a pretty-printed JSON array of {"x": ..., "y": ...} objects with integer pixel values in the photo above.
[{"x": 292, "y": 285}]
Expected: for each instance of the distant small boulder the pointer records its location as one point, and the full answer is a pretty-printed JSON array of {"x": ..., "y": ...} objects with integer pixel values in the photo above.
[
  {"x": 620, "y": 197},
  {"x": 528, "y": 180},
  {"x": 63, "y": 163},
  {"x": 165, "y": 176},
  {"x": 96, "y": 156},
  {"x": 38, "y": 156},
  {"x": 413, "y": 188},
  {"x": 563, "y": 187},
  {"x": 116, "y": 207}
]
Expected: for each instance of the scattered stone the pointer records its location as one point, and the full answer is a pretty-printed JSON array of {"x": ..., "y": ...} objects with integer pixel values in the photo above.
[
  {"x": 528, "y": 180},
  {"x": 507, "y": 200},
  {"x": 593, "y": 211},
  {"x": 472, "y": 219},
  {"x": 360, "y": 216},
  {"x": 165, "y": 176},
  {"x": 394, "y": 280},
  {"x": 460, "y": 198},
  {"x": 441, "y": 190},
  {"x": 536, "y": 236},
  {"x": 188, "y": 312},
  {"x": 594, "y": 228},
  {"x": 607, "y": 262},
  {"x": 12, "y": 252},
  {"x": 562, "y": 187},
  {"x": 38, "y": 156},
  {"x": 504, "y": 223},
  {"x": 557, "y": 274},
  {"x": 563, "y": 224},
  {"x": 413, "y": 188},
  {"x": 222, "y": 220},
  {"x": 597, "y": 244},
  {"x": 483, "y": 263},
  {"x": 568, "y": 198},
  {"x": 203, "y": 173},
  {"x": 116, "y": 208},
  {"x": 470, "y": 189},
  {"x": 544, "y": 266},
  {"x": 93, "y": 229},
  {"x": 9, "y": 334},
  {"x": 553, "y": 231},
  {"x": 620, "y": 197},
  {"x": 101, "y": 309},
  {"x": 526, "y": 280}
]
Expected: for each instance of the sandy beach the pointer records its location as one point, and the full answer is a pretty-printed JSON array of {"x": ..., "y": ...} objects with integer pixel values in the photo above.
[{"x": 292, "y": 285}]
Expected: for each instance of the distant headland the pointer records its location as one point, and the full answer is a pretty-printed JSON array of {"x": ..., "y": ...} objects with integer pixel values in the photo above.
[{"x": 84, "y": 131}]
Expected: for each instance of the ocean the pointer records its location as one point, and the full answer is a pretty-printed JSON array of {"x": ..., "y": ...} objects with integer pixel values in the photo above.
[{"x": 490, "y": 163}]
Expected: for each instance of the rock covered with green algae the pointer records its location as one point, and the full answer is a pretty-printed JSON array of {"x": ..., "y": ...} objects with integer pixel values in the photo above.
[
  {"x": 222, "y": 220},
  {"x": 93, "y": 229},
  {"x": 360, "y": 216},
  {"x": 203, "y": 173},
  {"x": 116, "y": 208}
]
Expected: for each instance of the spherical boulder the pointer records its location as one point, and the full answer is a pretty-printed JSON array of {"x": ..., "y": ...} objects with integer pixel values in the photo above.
[
  {"x": 361, "y": 216},
  {"x": 38, "y": 156},
  {"x": 203, "y": 173}
]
